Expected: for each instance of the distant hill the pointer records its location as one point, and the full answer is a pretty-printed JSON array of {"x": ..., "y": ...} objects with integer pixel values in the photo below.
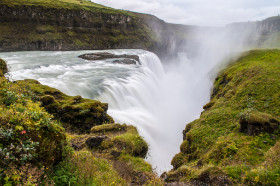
[{"x": 81, "y": 24}]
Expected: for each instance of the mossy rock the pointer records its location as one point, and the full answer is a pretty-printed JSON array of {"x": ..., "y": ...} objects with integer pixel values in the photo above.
[
  {"x": 129, "y": 142},
  {"x": 3, "y": 67},
  {"x": 214, "y": 176},
  {"x": 178, "y": 160},
  {"x": 74, "y": 111},
  {"x": 256, "y": 122},
  {"x": 107, "y": 128}
]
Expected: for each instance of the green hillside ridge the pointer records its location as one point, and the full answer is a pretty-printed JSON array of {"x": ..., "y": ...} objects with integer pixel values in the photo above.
[
  {"x": 47, "y": 137},
  {"x": 236, "y": 139},
  {"x": 65, "y": 4},
  {"x": 82, "y": 25}
]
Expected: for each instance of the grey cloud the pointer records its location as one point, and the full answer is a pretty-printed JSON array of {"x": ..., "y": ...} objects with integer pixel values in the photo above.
[{"x": 200, "y": 12}]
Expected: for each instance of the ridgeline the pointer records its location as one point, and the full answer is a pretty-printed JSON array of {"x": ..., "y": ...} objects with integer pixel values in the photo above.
[{"x": 80, "y": 24}]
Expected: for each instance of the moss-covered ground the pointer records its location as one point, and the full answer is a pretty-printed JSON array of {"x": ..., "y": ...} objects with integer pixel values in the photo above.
[{"x": 236, "y": 139}]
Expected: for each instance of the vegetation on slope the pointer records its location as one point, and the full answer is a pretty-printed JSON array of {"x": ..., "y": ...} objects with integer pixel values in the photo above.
[
  {"x": 30, "y": 140},
  {"x": 36, "y": 149},
  {"x": 78, "y": 114},
  {"x": 65, "y": 4},
  {"x": 236, "y": 139}
]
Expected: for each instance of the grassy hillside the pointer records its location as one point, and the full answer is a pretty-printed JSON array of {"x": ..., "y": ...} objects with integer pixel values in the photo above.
[
  {"x": 65, "y": 4},
  {"x": 236, "y": 140},
  {"x": 47, "y": 138},
  {"x": 69, "y": 25}
]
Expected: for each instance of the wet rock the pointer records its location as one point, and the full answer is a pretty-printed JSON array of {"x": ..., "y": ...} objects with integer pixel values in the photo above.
[
  {"x": 107, "y": 55},
  {"x": 257, "y": 122},
  {"x": 125, "y": 61},
  {"x": 94, "y": 142}
]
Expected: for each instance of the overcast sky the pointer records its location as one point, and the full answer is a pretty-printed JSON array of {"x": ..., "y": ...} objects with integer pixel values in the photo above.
[{"x": 200, "y": 12}]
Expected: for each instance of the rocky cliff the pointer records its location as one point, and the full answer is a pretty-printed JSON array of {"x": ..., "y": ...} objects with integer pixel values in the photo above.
[{"x": 79, "y": 25}]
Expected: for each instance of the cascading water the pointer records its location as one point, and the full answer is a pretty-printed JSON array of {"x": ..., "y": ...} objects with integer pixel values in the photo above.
[{"x": 160, "y": 102}]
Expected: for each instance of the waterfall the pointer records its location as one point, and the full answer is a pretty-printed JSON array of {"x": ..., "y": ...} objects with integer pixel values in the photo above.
[{"x": 160, "y": 102}]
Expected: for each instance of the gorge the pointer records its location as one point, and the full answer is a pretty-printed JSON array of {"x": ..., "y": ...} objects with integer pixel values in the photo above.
[{"x": 169, "y": 88}]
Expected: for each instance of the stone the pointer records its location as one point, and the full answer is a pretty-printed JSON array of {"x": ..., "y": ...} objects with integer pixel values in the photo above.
[
  {"x": 95, "y": 142},
  {"x": 257, "y": 123},
  {"x": 115, "y": 154},
  {"x": 125, "y": 61},
  {"x": 107, "y": 55}
]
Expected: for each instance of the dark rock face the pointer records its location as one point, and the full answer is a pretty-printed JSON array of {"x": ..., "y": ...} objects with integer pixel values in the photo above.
[
  {"x": 257, "y": 123},
  {"x": 94, "y": 142},
  {"x": 106, "y": 55},
  {"x": 115, "y": 154}
]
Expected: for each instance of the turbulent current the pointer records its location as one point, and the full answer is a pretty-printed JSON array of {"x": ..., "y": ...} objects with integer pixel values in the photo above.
[{"x": 160, "y": 99}]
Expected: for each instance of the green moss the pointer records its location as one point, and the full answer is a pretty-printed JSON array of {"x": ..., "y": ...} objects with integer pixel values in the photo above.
[
  {"x": 247, "y": 91},
  {"x": 129, "y": 142},
  {"x": 106, "y": 128},
  {"x": 3, "y": 67},
  {"x": 74, "y": 111},
  {"x": 81, "y": 168}
]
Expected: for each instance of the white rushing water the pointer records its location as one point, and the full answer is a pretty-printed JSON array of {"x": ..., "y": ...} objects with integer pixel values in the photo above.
[{"x": 160, "y": 99}]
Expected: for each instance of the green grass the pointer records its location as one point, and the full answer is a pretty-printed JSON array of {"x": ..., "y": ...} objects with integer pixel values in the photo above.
[
  {"x": 248, "y": 88},
  {"x": 66, "y": 4},
  {"x": 81, "y": 168}
]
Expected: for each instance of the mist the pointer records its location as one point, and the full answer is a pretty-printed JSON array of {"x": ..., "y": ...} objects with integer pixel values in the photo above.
[{"x": 200, "y": 12}]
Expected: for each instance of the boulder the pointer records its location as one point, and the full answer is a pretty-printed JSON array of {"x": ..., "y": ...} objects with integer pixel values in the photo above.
[
  {"x": 107, "y": 55},
  {"x": 257, "y": 122},
  {"x": 125, "y": 61},
  {"x": 94, "y": 142}
]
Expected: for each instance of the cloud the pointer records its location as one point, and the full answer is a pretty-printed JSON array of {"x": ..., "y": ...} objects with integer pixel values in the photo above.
[{"x": 200, "y": 12}]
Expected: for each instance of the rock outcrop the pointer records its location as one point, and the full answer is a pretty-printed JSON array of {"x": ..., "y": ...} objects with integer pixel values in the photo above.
[{"x": 128, "y": 59}]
